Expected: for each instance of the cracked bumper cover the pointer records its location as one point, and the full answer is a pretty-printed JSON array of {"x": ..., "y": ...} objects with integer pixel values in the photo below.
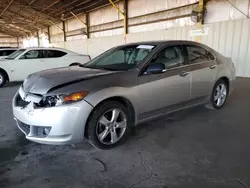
[{"x": 65, "y": 124}]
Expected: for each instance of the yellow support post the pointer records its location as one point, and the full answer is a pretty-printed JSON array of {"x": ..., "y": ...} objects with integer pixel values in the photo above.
[
  {"x": 124, "y": 17},
  {"x": 200, "y": 20},
  {"x": 87, "y": 29}
]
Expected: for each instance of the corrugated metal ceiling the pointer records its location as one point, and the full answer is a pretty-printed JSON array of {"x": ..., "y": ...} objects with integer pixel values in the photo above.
[{"x": 21, "y": 17}]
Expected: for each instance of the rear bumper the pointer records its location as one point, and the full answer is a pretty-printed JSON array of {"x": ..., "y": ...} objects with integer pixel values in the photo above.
[{"x": 55, "y": 125}]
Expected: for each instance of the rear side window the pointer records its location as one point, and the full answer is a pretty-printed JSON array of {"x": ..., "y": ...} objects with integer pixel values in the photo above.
[
  {"x": 197, "y": 54},
  {"x": 55, "y": 53}
]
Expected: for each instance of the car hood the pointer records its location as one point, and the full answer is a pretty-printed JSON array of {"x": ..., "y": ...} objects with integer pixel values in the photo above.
[{"x": 42, "y": 82}]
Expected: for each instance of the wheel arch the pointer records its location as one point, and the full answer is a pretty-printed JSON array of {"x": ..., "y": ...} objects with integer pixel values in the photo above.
[
  {"x": 126, "y": 102},
  {"x": 226, "y": 79},
  {"x": 5, "y": 72}
]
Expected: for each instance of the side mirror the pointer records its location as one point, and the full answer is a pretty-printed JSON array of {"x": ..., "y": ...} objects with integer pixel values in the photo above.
[{"x": 155, "y": 68}]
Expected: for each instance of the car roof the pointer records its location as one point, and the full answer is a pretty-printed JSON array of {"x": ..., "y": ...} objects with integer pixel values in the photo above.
[
  {"x": 48, "y": 48},
  {"x": 162, "y": 42},
  {"x": 1, "y": 49},
  {"x": 43, "y": 48}
]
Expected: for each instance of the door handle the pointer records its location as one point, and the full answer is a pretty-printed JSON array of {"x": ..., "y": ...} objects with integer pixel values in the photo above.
[
  {"x": 183, "y": 74},
  {"x": 213, "y": 66}
]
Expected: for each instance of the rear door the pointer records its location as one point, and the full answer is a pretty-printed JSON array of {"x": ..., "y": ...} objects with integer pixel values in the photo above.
[
  {"x": 203, "y": 69},
  {"x": 55, "y": 59}
]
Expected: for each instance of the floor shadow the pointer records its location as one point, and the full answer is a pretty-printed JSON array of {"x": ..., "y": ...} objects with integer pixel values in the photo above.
[{"x": 12, "y": 84}]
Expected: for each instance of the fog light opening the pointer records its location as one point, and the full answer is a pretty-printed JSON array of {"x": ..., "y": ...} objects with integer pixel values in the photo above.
[{"x": 46, "y": 131}]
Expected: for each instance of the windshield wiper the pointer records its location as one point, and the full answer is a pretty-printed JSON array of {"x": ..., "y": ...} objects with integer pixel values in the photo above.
[
  {"x": 109, "y": 69},
  {"x": 100, "y": 68},
  {"x": 83, "y": 66}
]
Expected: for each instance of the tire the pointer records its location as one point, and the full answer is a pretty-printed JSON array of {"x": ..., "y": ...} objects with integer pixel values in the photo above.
[
  {"x": 218, "y": 91},
  {"x": 3, "y": 78},
  {"x": 108, "y": 129}
]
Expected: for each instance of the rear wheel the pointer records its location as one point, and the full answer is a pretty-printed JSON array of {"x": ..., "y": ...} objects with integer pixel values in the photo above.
[
  {"x": 219, "y": 95},
  {"x": 3, "y": 78},
  {"x": 108, "y": 125}
]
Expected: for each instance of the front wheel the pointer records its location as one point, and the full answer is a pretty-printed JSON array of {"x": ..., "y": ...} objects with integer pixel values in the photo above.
[
  {"x": 3, "y": 79},
  {"x": 219, "y": 95},
  {"x": 109, "y": 125}
]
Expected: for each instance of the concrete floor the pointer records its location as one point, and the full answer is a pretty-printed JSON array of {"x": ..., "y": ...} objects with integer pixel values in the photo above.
[{"x": 194, "y": 148}]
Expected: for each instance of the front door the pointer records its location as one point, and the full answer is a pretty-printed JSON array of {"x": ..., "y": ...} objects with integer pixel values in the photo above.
[
  {"x": 203, "y": 68},
  {"x": 158, "y": 92},
  {"x": 31, "y": 62}
]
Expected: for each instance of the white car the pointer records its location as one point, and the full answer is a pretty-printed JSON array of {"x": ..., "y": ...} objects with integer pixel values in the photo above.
[
  {"x": 23, "y": 62},
  {"x": 5, "y": 52}
]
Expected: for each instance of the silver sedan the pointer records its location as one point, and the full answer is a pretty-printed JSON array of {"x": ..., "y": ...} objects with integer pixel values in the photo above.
[{"x": 105, "y": 98}]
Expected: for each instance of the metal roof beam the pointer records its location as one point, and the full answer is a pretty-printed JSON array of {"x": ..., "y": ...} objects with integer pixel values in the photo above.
[
  {"x": 6, "y": 7},
  {"x": 16, "y": 28},
  {"x": 51, "y": 5},
  {"x": 72, "y": 8},
  {"x": 10, "y": 32},
  {"x": 24, "y": 7},
  {"x": 39, "y": 13},
  {"x": 62, "y": 7},
  {"x": 29, "y": 19},
  {"x": 88, "y": 8}
]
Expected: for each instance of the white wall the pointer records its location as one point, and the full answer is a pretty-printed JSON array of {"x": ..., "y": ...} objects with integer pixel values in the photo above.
[
  {"x": 231, "y": 38},
  {"x": 222, "y": 10}
]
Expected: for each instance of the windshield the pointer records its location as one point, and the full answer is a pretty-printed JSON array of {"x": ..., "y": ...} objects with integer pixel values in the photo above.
[
  {"x": 121, "y": 58},
  {"x": 15, "y": 54}
]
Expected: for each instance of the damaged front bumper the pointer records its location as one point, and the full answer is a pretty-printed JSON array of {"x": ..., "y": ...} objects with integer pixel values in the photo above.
[{"x": 58, "y": 125}]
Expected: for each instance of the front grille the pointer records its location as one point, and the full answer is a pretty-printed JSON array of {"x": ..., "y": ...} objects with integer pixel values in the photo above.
[{"x": 20, "y": 102}]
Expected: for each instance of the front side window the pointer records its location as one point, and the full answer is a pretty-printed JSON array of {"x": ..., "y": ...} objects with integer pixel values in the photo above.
[
  {"x": 15, "y": 54},
  {"x": 121, "y": 58},
  {"x": 197, "y": 54},
  {"x": 33, "y": 54},
  {"x": 171, "y": 57}
]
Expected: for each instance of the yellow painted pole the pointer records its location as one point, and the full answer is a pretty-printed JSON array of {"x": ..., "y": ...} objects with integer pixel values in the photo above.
[
  {"x": 87, "y": 46},
  {"x": 199, "y": 23},
  {"x": 124, "y": 17}
]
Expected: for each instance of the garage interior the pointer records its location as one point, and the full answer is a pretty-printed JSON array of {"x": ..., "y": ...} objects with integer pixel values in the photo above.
[{"x": 193, "y": 148}]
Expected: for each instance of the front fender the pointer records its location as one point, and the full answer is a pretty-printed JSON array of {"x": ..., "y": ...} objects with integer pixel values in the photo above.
[
  {"x": 94, "y": 98},
  {"x": 6, "y": 67}
]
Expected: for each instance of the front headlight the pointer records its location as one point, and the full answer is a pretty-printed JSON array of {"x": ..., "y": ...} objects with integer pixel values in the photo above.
[{"x": 56, "y": 100}]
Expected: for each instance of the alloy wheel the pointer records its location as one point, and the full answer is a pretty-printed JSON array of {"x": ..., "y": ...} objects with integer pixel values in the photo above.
[
  {"x": 1, "y": 79},
  {"x": 220, "y": 95},
  {"x": 111, "y": 126}
]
